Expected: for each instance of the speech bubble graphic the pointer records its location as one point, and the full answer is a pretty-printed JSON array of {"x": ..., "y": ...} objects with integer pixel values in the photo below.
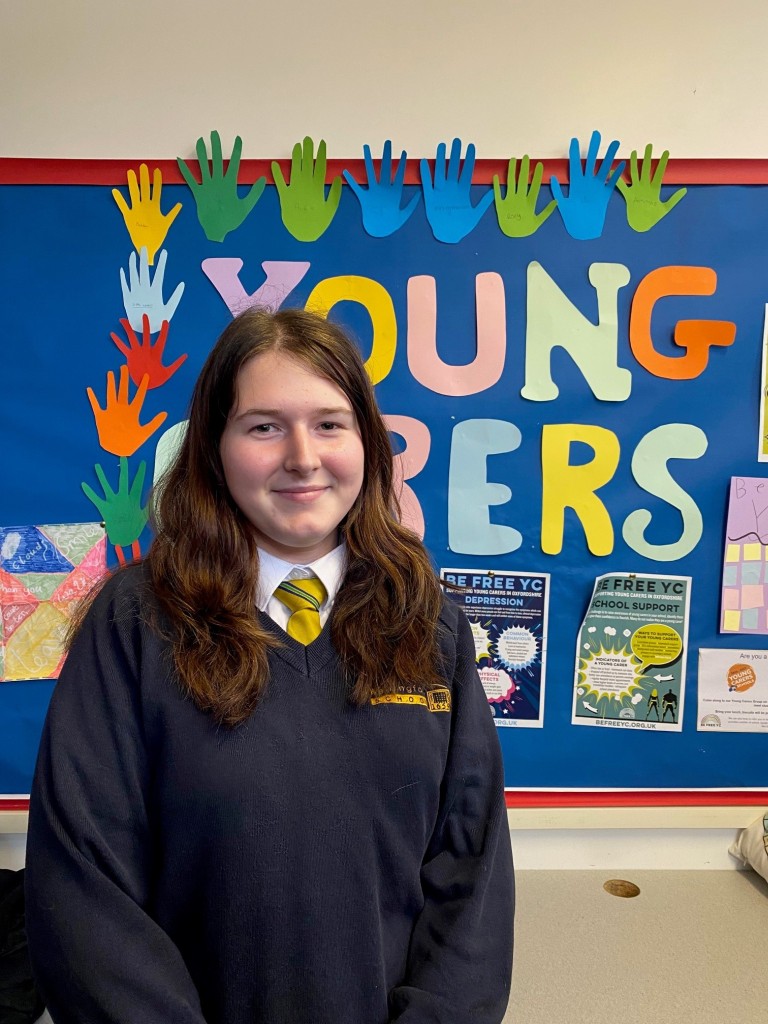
[
  {"x": 482, "y": 640},
  {"x": 609, "y": 673},
  {"x": 656, "y": 644},
  {"x": 496, "y": 683},
  {"x": 517, "y": 647}
]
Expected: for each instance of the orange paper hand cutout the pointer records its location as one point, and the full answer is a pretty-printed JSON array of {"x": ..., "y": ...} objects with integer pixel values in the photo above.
[
  {"x": 147, "y": 224},
  {"x": 143, "y": 357},
  {"x": 118, "y": 422}
]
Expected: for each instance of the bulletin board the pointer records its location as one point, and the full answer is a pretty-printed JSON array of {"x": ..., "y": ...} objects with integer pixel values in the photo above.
[{"x": 508, "y": 347}]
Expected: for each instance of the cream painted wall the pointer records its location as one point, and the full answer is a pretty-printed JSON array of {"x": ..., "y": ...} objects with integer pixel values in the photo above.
[{"x": 145, "y": 78}]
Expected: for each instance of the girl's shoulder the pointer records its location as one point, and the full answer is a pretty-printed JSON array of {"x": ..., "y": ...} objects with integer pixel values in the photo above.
[
  {"x": 450, "y": 615},
  {"x": 454, "y": 636},
  {"x": 124, "y": 593},
  {"x": 125, "y": 583}
]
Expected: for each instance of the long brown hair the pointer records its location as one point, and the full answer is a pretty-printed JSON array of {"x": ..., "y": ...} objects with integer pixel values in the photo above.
[{"x": 204, "y": 565}]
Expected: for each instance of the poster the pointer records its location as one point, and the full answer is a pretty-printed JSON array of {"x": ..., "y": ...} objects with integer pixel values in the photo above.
[
  {"x": 631, "y": 653},
  {"x": 44, "y": 572},
  {"x": 762, "y": 434},
  {"x": 507, "y": 611},
  {"x": 744, "y": 605},
  {"x": 733, "y": 690}
]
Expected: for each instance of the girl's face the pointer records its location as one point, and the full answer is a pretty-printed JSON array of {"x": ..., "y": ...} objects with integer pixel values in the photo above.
[{"x": 292, "y": 456}]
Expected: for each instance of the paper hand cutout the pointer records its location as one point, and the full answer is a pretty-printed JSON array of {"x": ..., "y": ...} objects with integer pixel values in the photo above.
[
  {"x": 380, "y": 202},
  {"x": 517, "y": 210},
  {"x": 124, "y": 518},
  {"x": 642, "y": 195},
  {"x": 583, "y": 210},
  {"x": 306, "y": 210},
  {"x": 449, "y": 207},
  {"x": 144, "y": 358},
  {"x": 147, "y": 224},
  {"x": 219, "y": 208},
  {"x": 144, "y": 296},
  {"x": 120, "y": 432}
]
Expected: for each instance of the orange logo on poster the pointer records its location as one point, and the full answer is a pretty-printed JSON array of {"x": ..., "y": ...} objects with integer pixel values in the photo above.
[{"x": 741, "y": 677}]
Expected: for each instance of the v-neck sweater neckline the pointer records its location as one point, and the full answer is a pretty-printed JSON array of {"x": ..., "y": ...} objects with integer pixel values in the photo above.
[{"x": 307, "y": 659}]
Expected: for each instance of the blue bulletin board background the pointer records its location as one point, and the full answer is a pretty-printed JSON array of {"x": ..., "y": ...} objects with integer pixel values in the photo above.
[{"x": 63, "y": 247}]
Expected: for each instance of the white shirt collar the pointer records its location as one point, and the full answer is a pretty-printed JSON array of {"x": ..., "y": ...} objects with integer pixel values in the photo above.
[{"x": 328, "y": 568}]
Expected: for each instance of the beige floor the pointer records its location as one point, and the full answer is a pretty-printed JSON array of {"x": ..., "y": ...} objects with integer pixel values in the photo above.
[{"x": 692, "y": 947}]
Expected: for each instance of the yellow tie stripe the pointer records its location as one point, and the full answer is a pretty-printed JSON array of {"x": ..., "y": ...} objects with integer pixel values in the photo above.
[{"x": 303, "y": 598}]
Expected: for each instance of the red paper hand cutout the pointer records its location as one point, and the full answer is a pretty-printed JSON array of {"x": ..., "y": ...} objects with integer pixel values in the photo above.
[{"x": 144, "y": 358}]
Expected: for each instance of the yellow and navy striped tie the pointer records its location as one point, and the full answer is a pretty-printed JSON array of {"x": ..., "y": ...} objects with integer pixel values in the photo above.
[{"x": 303, "y": 598}]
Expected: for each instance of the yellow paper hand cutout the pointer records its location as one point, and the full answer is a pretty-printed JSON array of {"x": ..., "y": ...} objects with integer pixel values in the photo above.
[{"x": 147, "y": 224}]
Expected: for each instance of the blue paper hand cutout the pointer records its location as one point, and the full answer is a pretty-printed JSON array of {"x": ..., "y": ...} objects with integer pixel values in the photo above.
[
  {"x": 449, "y": 207},
  {"x": 380, "y": 202},
  {"x": 143, "y": 296},
  {"x": 583, "y": 210}
]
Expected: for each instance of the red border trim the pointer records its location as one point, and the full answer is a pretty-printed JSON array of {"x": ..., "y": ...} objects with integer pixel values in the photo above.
[
  {"x": 39, "y": 171},
  {"x": 575, "y": 798},
  {"x": 14, "y": 805}
]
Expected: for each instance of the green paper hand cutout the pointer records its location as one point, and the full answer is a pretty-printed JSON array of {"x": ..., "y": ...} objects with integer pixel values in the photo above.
[
  {"x": 124, "y": 518},
  {"x": 306, "y": 210},
  {"x": 516, "y": 212},
  {"x": 642, "y": 195},
  {"x": 219, "y": 208}
]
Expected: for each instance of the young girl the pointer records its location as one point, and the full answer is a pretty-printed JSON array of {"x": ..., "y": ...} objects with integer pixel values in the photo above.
[{"x": 269, "y": 789}]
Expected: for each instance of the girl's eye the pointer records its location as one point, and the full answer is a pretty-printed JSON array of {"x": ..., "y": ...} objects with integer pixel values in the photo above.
[
  {"x": 262, "y": 428},
  {"x": 329, "y": 426}
]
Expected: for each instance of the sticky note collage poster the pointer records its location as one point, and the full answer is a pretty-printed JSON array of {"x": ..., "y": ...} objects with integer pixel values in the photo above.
[
  {"x": 745, "y": 562},
  {"x": 568, "y": 356}
]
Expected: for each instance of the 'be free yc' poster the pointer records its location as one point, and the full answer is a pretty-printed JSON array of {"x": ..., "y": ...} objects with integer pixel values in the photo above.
[
  {"x": 631, "y": 653},
  {"x": 507, "y": 611}
]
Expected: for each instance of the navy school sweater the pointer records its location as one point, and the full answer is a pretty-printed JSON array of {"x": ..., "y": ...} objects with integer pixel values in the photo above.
[{"x": 318, "y": 864}]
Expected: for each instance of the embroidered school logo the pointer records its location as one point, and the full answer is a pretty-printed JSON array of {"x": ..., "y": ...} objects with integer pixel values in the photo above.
[
  {"x": 432, "y": 700},
  {"x": 439, "y": 700}
]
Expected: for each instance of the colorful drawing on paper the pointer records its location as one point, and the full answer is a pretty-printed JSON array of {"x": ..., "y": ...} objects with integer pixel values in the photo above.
[
  {"x": 44, "y": 571},
  {"x": 508, "y": 614},
  {"x": 744, "y": 605}
]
